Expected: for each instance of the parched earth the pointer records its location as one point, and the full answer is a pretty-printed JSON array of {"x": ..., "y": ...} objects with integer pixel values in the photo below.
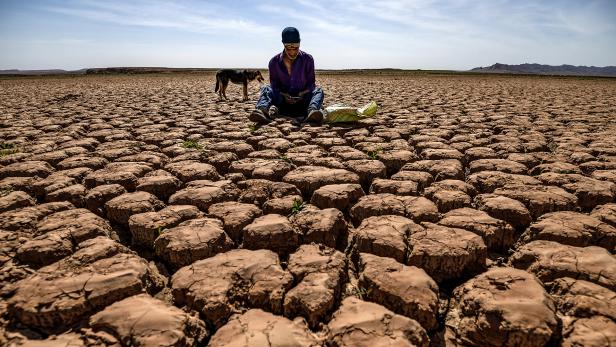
[{"x": 471, "y": 211}]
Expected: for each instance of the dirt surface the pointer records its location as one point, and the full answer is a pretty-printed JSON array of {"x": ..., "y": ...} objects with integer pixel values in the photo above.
[{"x": 471, "y": 211}]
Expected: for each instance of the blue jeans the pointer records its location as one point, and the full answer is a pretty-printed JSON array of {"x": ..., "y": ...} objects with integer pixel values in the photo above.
[{"x": 269, "y": 97}]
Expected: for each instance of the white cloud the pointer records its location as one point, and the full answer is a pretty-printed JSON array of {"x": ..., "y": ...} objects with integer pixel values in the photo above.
[
  {"x": 162, "y": 14},
  {"x": 452, "y": 34}
]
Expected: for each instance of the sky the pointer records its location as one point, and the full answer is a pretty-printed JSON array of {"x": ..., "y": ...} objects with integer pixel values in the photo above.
[{"x": 339, "y": 34}]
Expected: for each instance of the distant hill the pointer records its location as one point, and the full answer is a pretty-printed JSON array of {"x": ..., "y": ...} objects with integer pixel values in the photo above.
[
  {"x": 105, "y": 71},
  {"x": 40, "y": 72},
  {"x": 142, "y": 70},
  {"x": 102, "y": 71},
  {"x": 539, "y": 69}
]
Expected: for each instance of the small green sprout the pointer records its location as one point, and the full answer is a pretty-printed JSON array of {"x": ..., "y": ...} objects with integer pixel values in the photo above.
[
  {"x": 284, "y": 157},
  {"x": 360, "y": 293},
  {"x": 374, "y": 155},
  {"x": 4, "y": 191},
  {"x": 8, "y": 148},
  {"x": 191, "y": 144},
  {"x": 297, "y": 206}
]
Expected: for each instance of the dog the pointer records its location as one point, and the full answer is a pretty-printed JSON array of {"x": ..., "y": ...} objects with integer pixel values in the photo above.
[{"x": 238, "y": 77}]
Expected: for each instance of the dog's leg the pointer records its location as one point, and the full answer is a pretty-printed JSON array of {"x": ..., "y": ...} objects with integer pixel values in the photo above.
[
  {"x": 218, "y": 88},
  {"x": 245, "y": 91},
  {"x": 224, "y": 89}
]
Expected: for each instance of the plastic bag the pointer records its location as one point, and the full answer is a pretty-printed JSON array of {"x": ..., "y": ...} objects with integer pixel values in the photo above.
[{"x": 341, "y": 113}]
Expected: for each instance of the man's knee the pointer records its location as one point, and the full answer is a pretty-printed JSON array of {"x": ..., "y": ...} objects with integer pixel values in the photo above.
[
  {"x": 317, "y": 90},
  {"x": 266, "y": 88}
]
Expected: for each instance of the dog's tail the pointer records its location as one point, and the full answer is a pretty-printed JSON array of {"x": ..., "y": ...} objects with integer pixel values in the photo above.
[{"x": 217, "y": 82}]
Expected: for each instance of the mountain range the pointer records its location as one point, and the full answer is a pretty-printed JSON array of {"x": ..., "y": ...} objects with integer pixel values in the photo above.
[
  {"x": 539, "y": 69},
  {"x": 534, "y": 69}
]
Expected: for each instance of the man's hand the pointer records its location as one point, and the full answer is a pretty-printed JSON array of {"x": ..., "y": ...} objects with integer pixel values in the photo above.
[{"x": 289, "y": 99}]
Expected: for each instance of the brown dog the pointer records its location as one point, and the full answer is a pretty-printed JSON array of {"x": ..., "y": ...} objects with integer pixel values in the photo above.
[{"x": 236, "y": 76}]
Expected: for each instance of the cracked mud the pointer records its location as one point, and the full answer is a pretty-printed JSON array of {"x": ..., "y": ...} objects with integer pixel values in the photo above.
[{"x": 471, "y": 211}]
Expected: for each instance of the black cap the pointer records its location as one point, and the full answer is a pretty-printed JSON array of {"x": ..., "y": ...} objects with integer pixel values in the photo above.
[{"x": 290, "y": 35}]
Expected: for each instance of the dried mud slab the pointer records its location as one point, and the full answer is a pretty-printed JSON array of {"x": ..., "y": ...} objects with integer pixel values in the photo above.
[
  {"x": 188, "y": 171},
  {"x": 385, "y": 236},
  {"x": 61, "y": 340},
  {"x": 15, "y": 200},
  {"x": 593, "y": 331},
  {"x": 120, "y": 208},
  {"x": 272, "y": 170},
  {"x": 450, "y": 194},
  {"x": 579, "y": 298},
  {"x": 146, "y": 227},
  {"x": 26, "y": 219},
  {"x": 27, "y": 169},
  {"x": 488, "y": 181},
  {"x": 327, "y": 227},
  {"x": 282, "y": 205},
  {"x": 340, "y": 196},
  {"x": 367, "y": 170},
  {"x": 192, "y": 240},
  {"x": 219, "y": 286},
  {"x": 504, "y": 208},
  {"x": 406, "y": 290},
  {"x": 310, "y": 178},
  {"x": 97, "y": 197},
  {"x": 441, "y": 169},
  {"x": 589, "y": 192},
  {"x": 419, "y": 209},
  {"x": 59, "y": 234},
  {"x": 124, "y": 174},
  {"x": 204, "y": 193},
  {"x": 572, "y": 228},
  {"x": 605, "y": 213},
  {"x": 360, "y": 323},
  {"x": 161, "y": 186},
  {"x": 486, "y": 310},
  {"x": 589, "y": 311},
  {"x": 496, "y": 234},
  {"x": 394, "y": 187},
  {"x": 258, "y": 191},
  {"x": 98, "y": 274},
  {"x": 43, "y": 187},
  {"x": 235, "y": 216},
  {"x": 141, "y": 320},
  {"x": 539, "y": 199},
  {"x": 259, "y": 328},
  {"x": 502, "y": 165},
  {"x": 273, "y": 232},
  {"x": 447, "y": 253},
  {"x": 319, "y": 272},
  {"x": 550, "y": 260}
]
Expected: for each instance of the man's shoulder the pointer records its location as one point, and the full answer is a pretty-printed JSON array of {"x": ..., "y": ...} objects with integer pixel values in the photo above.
[
  {"x": 307, "y": 56},
  {"x": 276, "y": 58}
]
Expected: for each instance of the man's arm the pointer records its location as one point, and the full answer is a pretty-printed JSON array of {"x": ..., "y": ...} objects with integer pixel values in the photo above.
[
  {"x": 273, "y": 75},
  {"x": 311, "y": 80}
]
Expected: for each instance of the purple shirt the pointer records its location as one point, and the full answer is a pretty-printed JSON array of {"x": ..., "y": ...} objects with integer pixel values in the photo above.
[{"x": 302, "y": 74}]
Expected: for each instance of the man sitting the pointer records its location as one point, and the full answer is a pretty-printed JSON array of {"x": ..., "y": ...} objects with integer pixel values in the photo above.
[{"x": 292, "y": 90}]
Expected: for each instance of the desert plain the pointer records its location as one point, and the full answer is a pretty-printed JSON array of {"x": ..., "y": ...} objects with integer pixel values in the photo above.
[{"x": 472, "y": 210}]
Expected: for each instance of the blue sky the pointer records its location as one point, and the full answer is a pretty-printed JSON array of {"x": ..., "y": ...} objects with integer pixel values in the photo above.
[{"x": 426, "y": 34}]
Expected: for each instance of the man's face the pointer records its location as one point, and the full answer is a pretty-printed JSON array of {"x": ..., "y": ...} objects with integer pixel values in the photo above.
[{"x": 291, "y": 50}]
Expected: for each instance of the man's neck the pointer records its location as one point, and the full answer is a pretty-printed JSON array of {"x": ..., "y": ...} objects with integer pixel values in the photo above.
[{"x": 287, "y": 60}]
